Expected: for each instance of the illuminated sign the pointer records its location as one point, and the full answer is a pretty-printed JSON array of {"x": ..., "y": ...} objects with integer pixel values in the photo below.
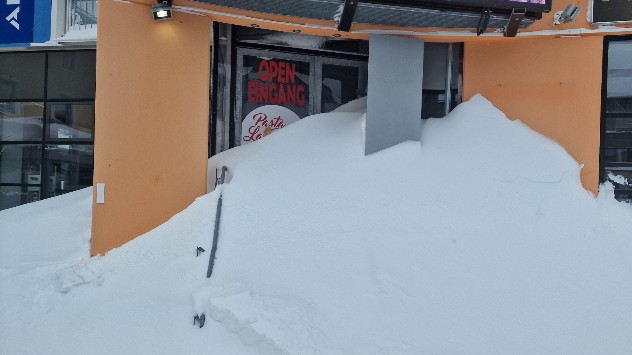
[
  {"x": 16, "y": 21},
  {"x": 276, "y": 85}
]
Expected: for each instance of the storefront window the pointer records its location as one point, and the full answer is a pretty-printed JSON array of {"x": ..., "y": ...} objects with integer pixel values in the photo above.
[
  {"x": 71, "y": 121},
  {"x": 20, "y": 163},
  {"x": 220, "y": 97},
  {"x": 341, "y": 84},
  {"x": 12, "y": 196},
  {"x": 617, "y": 136},
  {"x": 21, "y": 76},
  {"x": 71, "y": 75},
  {"x": 46, "y": 124},
  {"x": 21, "y": 121},
  {"x": 69, "y": 167}
]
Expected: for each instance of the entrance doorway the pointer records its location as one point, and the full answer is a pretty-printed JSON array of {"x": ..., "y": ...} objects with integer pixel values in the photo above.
[{"x": 302, "y": 75}]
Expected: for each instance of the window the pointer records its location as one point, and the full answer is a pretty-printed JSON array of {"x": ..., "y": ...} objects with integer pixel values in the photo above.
[
  {"x": 616, "y": 141},
  {"x": 46, "y": 124}
]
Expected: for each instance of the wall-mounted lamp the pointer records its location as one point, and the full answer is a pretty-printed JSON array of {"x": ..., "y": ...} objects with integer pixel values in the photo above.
[
  {"x": 568, "y": 15},
  {"x": 162, "y": 10}
]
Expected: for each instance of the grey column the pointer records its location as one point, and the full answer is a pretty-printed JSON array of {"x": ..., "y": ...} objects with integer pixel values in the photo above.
[{"x": 394, "y": 92}]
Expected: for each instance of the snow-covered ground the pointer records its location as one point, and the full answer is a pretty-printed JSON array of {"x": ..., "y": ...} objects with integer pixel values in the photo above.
[{"x": 479, "y": 240}]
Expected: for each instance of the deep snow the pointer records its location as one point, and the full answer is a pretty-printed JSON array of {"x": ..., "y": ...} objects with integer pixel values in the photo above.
[{"x": 479, "y": 240}]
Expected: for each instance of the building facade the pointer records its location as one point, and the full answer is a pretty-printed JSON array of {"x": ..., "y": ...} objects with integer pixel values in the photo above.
[{"x": 171, "y": 93}]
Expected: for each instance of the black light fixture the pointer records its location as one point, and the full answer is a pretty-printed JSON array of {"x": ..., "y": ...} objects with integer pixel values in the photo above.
[{"x": 162, "y": 10}]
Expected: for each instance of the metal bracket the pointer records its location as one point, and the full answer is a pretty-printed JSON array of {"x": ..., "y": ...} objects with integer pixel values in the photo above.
[
  {"x": 222, "y": 175},
  {"x": 199, "y": 319},
  {"x": 199, "y": 250},
  {"x": 483, "y": 21},
  {"x": 346, "y": 18},
  {"x": 515, "y": 19}
]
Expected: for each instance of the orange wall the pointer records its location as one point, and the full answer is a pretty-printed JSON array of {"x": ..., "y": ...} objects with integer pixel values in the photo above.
[
  {"x": 152, "y": 112},
  {"x": 551, "y": 84}
]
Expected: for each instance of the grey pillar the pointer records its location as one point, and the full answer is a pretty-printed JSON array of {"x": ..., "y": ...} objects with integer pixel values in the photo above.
[{"x": 394, "y": 92}]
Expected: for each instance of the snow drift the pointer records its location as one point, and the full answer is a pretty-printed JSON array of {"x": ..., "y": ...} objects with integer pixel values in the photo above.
[{"x": 480, "y": 239}]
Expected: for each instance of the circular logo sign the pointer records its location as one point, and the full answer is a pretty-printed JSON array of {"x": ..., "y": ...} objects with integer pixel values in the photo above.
[{"x": 264, "y": 120}]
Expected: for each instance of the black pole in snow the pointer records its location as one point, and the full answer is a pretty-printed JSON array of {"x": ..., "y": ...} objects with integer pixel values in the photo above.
[{"x": 218, "y": 215}]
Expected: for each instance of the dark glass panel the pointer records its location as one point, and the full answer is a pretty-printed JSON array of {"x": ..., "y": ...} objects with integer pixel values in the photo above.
[
  {"x": 21, "y": 76},
  {"x": 71, "y": 75},
  {"x": 69, "y": 167},
  {"x": 618, "y": 156},
  {"x": 621, "y": 123},
  {"x": 296, "y": 40},
  {"x": 70, "y": 121},
  {"x": 433, "y": 103},
  {"x": 20, "y": 163},
  {"x": 21, "y": 121},
  {"x": 619, "y": 77},
  {"x": 341, "y": 84},
  {"x": 619, "y": 104}
]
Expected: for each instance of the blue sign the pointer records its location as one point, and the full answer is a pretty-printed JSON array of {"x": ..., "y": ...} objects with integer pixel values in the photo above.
[{"x": 16, "y": 21}]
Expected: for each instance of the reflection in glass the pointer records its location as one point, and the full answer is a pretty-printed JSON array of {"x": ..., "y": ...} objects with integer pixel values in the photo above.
[
  {"x": 20, "y": 163},
  {"x": 71, "y": 75},
  {"x": 295, "y": 40},
  {"x": 69, "y": 167},
  {"x": 619, "y": 124},
  {"x": 21, "y": 121},
  {"x": 618, "y": 155},
  {"x": 71, "y": 120},
  {"x": 620, "y": 72},
  {"x": 341, "y": 84},
  {"x": 619, "y": 104},
  {"x": 12, "y": 196},
  {"x": 622, "y": 192},
  {"x": 22, "y": 76}
]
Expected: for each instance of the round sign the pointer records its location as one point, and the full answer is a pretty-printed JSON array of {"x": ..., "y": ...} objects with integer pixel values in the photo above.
[{"x": 264, "y": 120}]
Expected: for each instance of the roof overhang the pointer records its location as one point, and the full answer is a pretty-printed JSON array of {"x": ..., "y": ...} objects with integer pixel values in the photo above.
[{"x": 381, "y": 13}]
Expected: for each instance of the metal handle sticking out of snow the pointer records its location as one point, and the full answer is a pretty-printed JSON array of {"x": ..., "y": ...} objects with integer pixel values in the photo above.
[{"x": 218, "y": 214}]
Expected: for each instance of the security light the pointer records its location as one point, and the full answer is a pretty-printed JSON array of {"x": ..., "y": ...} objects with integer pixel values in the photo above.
[{"x": 162, "y": 10}]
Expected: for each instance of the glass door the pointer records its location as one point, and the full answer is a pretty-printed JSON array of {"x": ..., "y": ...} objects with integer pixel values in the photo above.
[
  {"x": 273, "y": 89},
  {"x": 339, "y": 82}
]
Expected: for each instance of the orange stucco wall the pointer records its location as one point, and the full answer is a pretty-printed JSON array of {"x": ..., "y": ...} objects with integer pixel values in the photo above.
[
  {"x": 152, "y": 112},
  {"x": 551, "y": 84}
]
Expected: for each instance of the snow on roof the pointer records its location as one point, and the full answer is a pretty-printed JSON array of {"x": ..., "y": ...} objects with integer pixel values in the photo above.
[{"x": 479, "y": 240}]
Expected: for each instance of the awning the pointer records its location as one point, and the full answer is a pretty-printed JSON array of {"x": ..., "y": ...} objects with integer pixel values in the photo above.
[{"x": 370, "y": 13}]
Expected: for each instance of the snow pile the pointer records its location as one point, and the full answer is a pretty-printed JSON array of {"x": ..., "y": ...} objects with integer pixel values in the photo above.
[
  {"x": 480, "y": 240},
  {"x": 53, "y": 233}
]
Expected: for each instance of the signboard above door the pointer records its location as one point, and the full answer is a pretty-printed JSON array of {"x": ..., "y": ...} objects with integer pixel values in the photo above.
[
  {"x": 16, "y": 21},
  {"x": 610, "y": 11}
]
